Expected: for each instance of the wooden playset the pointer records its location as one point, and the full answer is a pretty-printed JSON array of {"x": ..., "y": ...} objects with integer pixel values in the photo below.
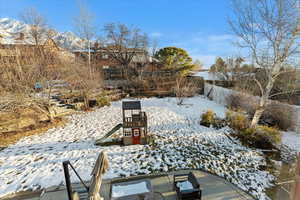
[
  {"x": 134, "y": 126},
  {"x": 134, "y": 123}
]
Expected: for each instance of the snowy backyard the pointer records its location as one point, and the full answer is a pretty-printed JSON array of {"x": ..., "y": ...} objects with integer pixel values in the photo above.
[{"x": 36, "y": 162}]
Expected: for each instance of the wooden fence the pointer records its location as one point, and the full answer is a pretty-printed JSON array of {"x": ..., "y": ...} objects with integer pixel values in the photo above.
[{"x": 295, "y": 193}]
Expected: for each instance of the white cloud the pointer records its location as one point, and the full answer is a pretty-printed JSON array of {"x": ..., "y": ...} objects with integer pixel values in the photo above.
[
  {"x": 156, "y": 34},
  {"x": 225, "y": 37}
]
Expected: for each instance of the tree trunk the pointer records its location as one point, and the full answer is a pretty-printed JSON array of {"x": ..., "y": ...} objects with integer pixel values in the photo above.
[
  {"x": 89, "y": 59},
  {"x": 86, "y": 100},
  {"x": 263, "y": 102},
  {"x": 258, "y": 113}
]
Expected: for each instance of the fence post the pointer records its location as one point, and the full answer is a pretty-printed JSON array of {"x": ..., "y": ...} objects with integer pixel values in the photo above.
[{"x": 295, "y": 193}]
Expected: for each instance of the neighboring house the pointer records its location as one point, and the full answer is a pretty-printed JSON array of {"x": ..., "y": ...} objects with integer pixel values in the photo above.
[
  {"x": 16, "y": 51},
  {"x": 102, "y": 59}
]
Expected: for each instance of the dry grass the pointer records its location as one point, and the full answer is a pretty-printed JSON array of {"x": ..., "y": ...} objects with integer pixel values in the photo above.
[{"x": 7, "y": 139}]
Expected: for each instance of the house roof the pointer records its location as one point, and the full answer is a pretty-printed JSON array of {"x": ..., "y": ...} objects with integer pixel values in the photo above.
[{"x": 131, "y": 105}]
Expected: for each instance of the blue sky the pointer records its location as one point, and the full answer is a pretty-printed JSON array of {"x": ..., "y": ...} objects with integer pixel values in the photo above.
[{"x": 199, "y": 26}]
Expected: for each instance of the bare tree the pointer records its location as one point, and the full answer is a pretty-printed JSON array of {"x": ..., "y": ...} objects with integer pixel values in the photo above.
[
  {"x": 153, "y": 47},
  {"x": 145, "y": 57},
  {"x": 85, "y": 28},
  {"x": 124, "y": 43},
  {"x": 20, "y": 71},
  {"x": 79, "y": 79},
  {"x": 38, "y": 25},
  {"x": 270, "y": 30},
  {"x": 184, "y": 88}
]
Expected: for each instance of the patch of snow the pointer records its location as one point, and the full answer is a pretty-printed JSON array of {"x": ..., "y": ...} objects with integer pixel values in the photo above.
[
  {"x": 291, "y": 139},
  {"x": 35, "y": 162},
  {"x": 130, "y": 189},
  {"x": 213, "y": 76}
]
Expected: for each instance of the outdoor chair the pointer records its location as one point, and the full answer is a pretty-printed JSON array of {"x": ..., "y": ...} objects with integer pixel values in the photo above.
[{"x": 187, "y": 193}]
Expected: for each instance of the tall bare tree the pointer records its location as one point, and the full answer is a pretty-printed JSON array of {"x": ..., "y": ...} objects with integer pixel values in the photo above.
[
  {"x": 38, "y": 25},
  {"x": 184, "y": 88},
  {"x": 79, "y": 79},
  {"x": 270, "y": 30},
  {"x": 21, "y": 71},
  {"x": 124, "y": 43},
  {"x": 85, "y": 28}
]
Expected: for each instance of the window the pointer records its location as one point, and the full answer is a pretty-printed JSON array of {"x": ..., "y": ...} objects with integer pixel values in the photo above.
[
  {"x": 136, "y": 132},
  {"x": 136, "y": 112},
  {"x": 105, "y": 67},
  {"x": 127, "y": 133},
  {"x": 105, "y": 56}
]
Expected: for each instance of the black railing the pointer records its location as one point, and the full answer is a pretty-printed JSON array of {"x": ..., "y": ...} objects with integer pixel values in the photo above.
[
  {"x": 139, "y": 120},
  {"x": 68, "y": 180}
]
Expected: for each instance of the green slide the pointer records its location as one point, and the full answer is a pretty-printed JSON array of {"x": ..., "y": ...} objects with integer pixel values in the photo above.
[{"x": 111, "y": 132}]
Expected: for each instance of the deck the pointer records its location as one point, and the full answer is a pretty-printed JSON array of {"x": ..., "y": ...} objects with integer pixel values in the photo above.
[{"x": 213, "y": 188}]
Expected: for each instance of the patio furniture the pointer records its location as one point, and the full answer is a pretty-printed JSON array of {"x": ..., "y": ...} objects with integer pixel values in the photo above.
[
  {"x": 132, "y": 190},
  {"x": 187, "y": 187}
]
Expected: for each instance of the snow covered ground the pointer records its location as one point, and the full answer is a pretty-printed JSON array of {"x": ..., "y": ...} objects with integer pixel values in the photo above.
[
  {"x": 291, "y": 139},
  {"x": 36, "y": 162}
]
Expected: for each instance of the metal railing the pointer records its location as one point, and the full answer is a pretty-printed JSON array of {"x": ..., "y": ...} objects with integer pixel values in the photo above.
[
  {"x": 139, "y": 121},
  {"x": 66, "y": 165}
]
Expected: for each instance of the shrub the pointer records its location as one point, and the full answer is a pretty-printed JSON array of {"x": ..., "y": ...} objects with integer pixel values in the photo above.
[
  {"x": 237, "y": 120},
  {"x": 278, "y": 115},
  {"x": 184, "y": 88},
  {"x": 262, "y": 137},
  {"x": 103, "y": 101},
  {"x": 240, "y": 101},
  {"x": 208, "y": 118},
  {"x": 275, "y": 114},
  {"x": 246, "y": 135},
  {"x": 271, "y": 133}
]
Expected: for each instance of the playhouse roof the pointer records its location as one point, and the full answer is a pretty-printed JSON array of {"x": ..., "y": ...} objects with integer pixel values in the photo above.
[{"x": 131, "y": 105}]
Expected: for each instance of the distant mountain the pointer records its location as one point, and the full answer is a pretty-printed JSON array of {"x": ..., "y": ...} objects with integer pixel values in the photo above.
[{"x": 10, "y": 30}]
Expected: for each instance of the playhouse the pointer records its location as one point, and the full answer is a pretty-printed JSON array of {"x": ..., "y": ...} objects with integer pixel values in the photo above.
[
  {"x": 134, "y": 127},
  {"x": 134, "y": 123}
]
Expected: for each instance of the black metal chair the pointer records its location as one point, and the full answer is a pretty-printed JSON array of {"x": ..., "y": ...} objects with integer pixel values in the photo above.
[{"x": 194, "y": 193}]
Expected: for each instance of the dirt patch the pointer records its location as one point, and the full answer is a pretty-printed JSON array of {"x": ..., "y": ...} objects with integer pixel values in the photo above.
[{"x": 7, "y": 139}]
